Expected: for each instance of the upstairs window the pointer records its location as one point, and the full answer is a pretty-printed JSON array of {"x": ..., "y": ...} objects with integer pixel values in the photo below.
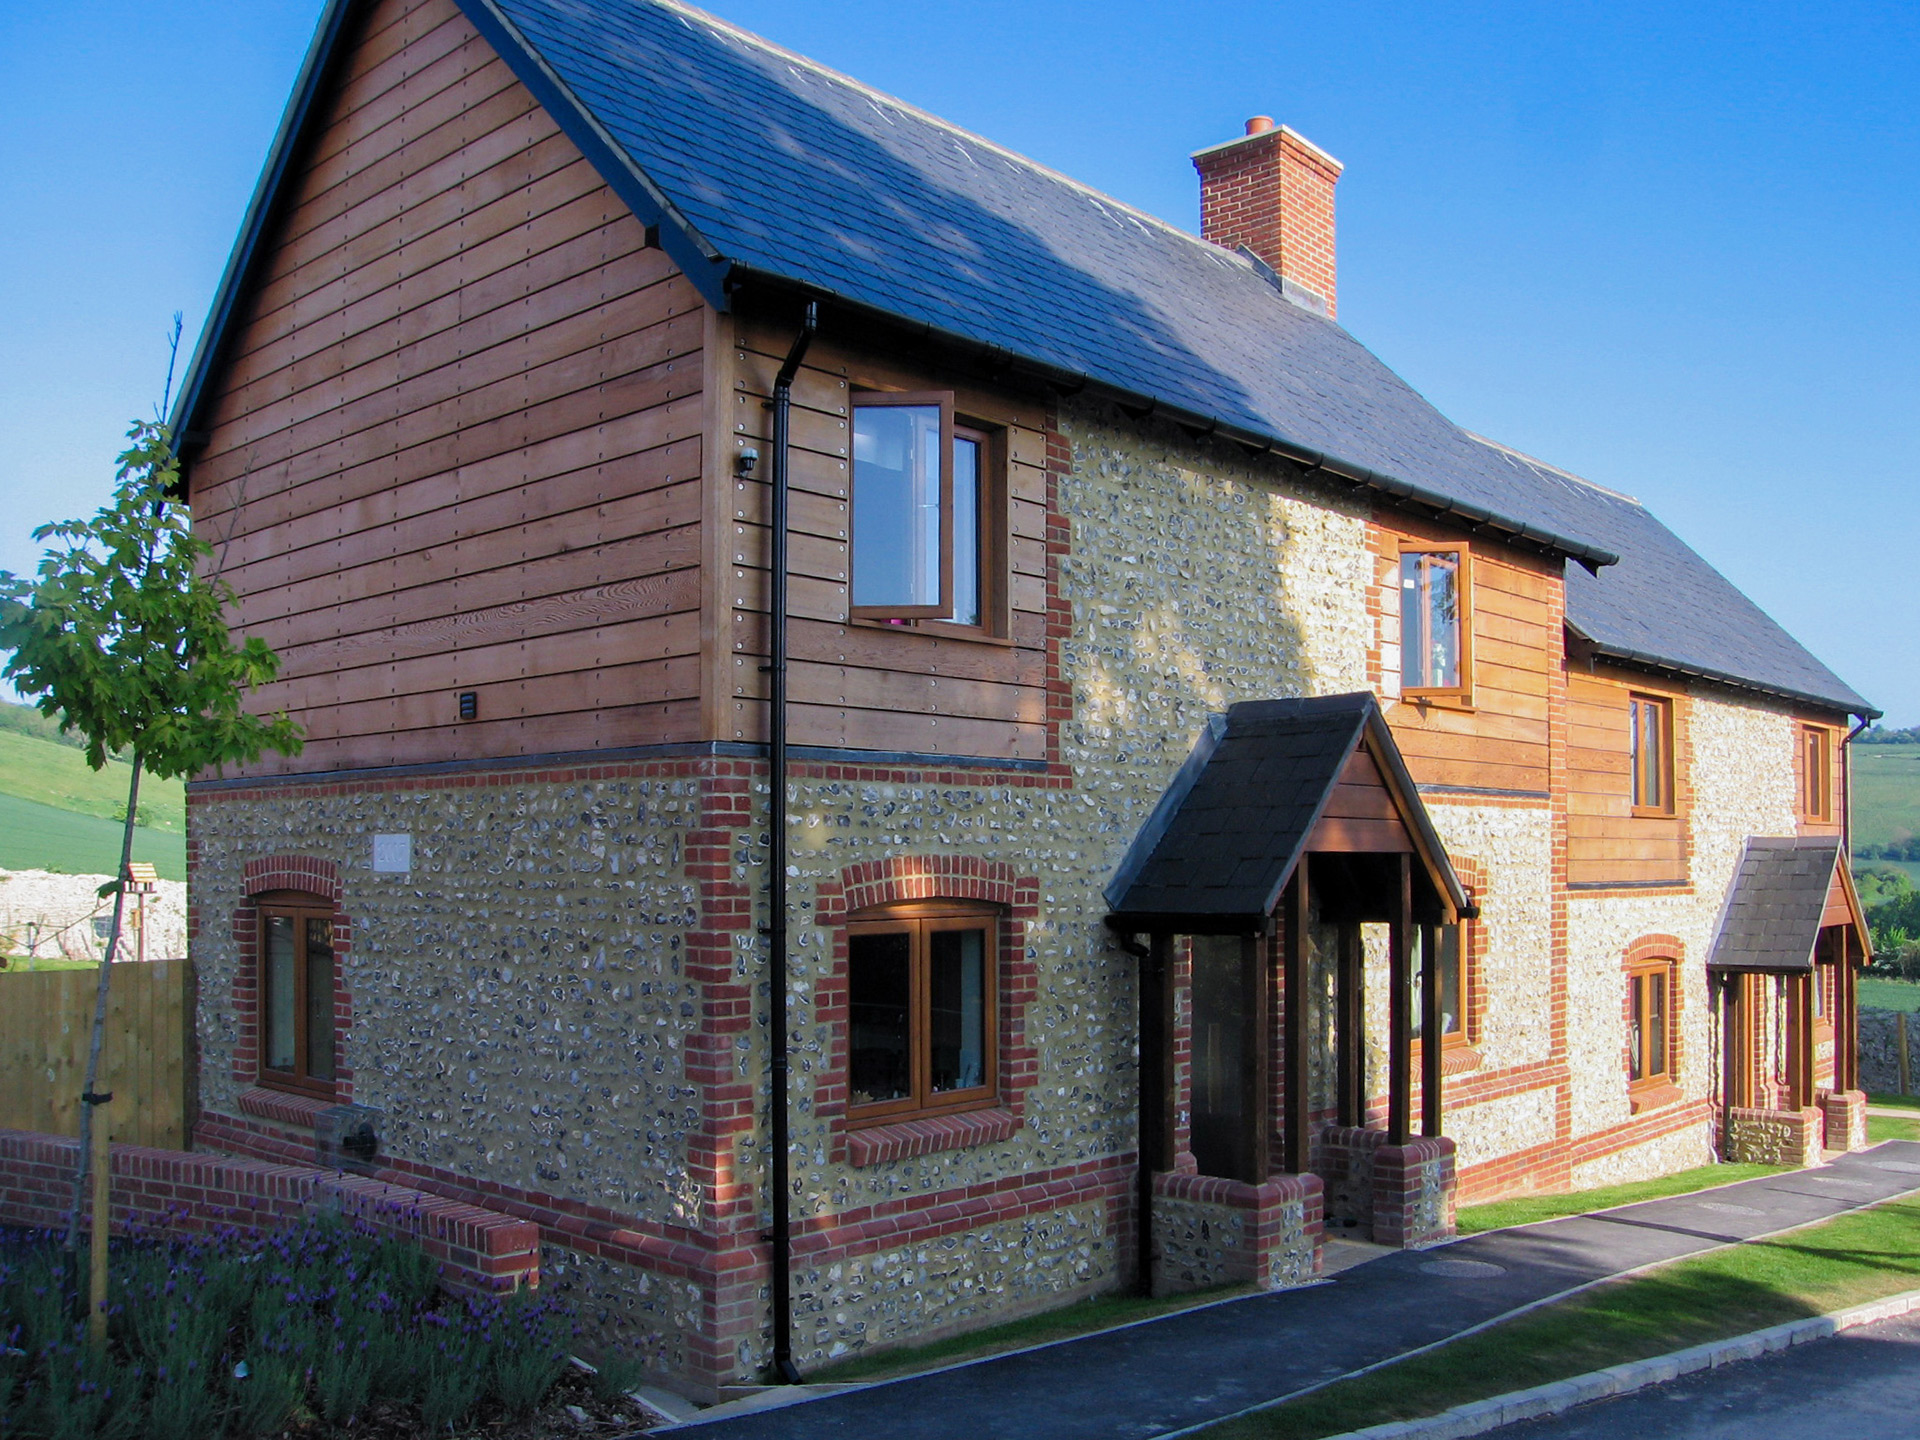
[
  {"x": 1649, "y": 1011},
  {"x": 1816, "y": 773},
  {"x": 1433, "y": 622},
  {"x": 925, "y": 537},
  {"x": 1651, "y": 750},
  {"x": 297, "y": 1042},
  {"x": 922, "y": 995}
]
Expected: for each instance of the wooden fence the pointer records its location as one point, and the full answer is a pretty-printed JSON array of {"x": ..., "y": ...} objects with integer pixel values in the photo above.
[{"x": 46, "y": 1020}]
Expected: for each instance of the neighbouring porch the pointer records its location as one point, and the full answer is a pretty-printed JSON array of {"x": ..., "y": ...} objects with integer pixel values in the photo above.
[
  {"x": 1784, "y": 976},
  {"x": 1288, "y": 876}
]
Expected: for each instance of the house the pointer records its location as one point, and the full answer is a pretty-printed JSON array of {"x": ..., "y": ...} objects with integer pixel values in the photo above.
[{"x": 1211, "y": 801}]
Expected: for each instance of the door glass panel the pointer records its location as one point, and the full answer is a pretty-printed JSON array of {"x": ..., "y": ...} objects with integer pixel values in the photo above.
[
  {"x": 319, "y": 998},
  {"x": 1219, "y": 1094},
  {"x": 281, "y": 942},
  {"x": 957, "y": 981},
  {"x": 896, "y": 505},
  {"x": 879, "y": 1003}
]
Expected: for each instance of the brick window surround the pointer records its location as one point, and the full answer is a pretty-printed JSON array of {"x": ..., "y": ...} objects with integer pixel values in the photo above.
[
  {"x": 872, "y": 883},
  {"x": 316, "y": 880},
  {"x": 1644, "y": 954}
]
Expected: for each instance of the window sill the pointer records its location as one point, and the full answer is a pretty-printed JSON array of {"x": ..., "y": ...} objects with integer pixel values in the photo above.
[
  {"x": 938, "y": 630},
  {"x": 1439, "y": 699},
  {"x": 901, "y": 1139},
  {"x": 1457, "y": 1057},
  {"x": 284, "y": 1107},
  {"x": 1654, "y": 1095}
]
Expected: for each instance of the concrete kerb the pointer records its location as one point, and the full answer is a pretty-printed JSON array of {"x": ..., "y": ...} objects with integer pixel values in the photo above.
[
  {"x": 1483, "y": 1416},
  {"x": 1540, "y": 1304}
]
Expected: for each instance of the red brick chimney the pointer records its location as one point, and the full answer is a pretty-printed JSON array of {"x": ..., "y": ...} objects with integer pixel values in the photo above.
[{"x": 1271, "y": 190}]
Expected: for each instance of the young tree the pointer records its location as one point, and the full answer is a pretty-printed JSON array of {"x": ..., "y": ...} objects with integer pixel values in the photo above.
[{"x": 123, "y": 638}]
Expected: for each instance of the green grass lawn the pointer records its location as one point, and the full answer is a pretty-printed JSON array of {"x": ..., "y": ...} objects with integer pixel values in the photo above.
[
  {"x": 1846, "y": 1261},
  {"x": 1892, "y": 1127},
  {"x": 1525, "y": 1209},
  {"x": 1886, "y": 794},
  {"x": 1883, "y": 993},
  {"x": 58, "y": 775},
  {"x": 40, "y": 837}
]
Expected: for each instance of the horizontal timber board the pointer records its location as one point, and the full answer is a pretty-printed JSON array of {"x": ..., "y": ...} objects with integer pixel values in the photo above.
[
  {"x": 844, "y": 685},
  {"x": 890, "y": 731}
]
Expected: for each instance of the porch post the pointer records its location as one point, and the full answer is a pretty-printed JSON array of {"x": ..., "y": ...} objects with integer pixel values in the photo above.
[
  {"x": 1350, "y": 1029},
  {"x": 1156, "y": 1093},
  {"x": 1432, "y": 1042},
  {"x": 1256, "y": 1050},
  {"x": 1847, "y": 981},
  {"x": 1299, "y": 1144},
  {"x": 1400, "y": 1009}
]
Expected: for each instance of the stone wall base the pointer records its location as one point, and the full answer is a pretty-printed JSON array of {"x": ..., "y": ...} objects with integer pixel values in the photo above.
[
  {"x": 1413, "y": 1192},
  {"x": 478, "y": 1250},
  {"x": 1845, "y": 1113},
  {"x": 1773, "y": 1137},
  {"x": 1343, "y": 1159},
  {"x": 1208, "y": 1231}
]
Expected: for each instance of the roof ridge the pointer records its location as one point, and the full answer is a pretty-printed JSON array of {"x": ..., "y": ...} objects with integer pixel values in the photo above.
[
  {"x": 1551, "y": 468},
  {"x": 873, "y": 93}
]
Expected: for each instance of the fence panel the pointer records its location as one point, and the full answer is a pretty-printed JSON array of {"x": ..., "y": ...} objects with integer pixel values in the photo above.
[{"x": 46, "y": 1020}]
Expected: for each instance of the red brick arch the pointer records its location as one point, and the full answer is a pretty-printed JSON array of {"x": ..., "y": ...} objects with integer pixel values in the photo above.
[
  {"x": 1654, "y": 947},
  {"x": 308, "y": 874},
  {"x": 925, "y": 877}
]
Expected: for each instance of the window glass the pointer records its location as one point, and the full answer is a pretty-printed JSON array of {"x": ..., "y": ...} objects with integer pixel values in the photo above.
[
  {"x": 1218, "y": 1117},
  {"x": 966, "y": 531},
  {"x": 1649, "y": 745},
  {"x": 1656, "y": 1023},
  {"x": 1430, "y": 620},
  {"x": 957, "y": 982},
  {"x": 279, "y": 1007},
  {"x": 319, "y": 998},
  {"x": 1647, "y": 1024},
  {"x": 896, "y": 505},
  {"x": 1452, "y": 989},
  {"x": 880, "y": 1010},
  {"x": 1817, "y": 793}
]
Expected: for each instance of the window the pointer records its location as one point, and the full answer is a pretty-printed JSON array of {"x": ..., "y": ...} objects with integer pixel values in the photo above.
[
  {"x": 925, "y": 513},
  {"x": 1816, "y": 773},
  {"x": 1649, "y": 1008},
  {"x": 922, "y": 993},
  {"x": 1451, "y": 959},
  {"x": 1433, "y": 622},
  {"x": 296, "y": 996},
  {"x": 1651, "y": 747}
]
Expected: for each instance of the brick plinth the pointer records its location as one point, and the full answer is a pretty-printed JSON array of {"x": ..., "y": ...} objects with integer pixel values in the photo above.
[
  {"x": 1845, "y": 1116},
  {"x": 1209, "y": 1231},
  {"x": 1413, "y": 1191},
  {"x": 1773, "y": 1137},
  {"x": 478, "y": 1250}
]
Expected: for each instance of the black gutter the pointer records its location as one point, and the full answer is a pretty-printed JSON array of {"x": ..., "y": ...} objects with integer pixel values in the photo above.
[
  {"x": 1640, "y": 658},
  {"x": 1424, "y": 501},
  {"x": 779, "y": 1064}
]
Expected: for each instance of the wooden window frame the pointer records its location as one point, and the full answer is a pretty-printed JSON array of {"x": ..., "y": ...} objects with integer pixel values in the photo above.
[
  {"x": 1638, "y": 975},
  {"x": 1666, "y": 769},
  {"x": 300, "y": 909},
  {"x": 1462, "y": 693},
  {"x": 991, "y": 522},
  {"x": 921, "y": 918},
  {"x": 1816, "y": 789}
]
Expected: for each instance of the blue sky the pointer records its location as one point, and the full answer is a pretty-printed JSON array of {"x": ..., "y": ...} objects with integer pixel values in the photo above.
[{"x": 1672, "y": 247}]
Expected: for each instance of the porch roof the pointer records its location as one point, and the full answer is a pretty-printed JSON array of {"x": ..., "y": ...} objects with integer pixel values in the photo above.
[
  {"x": 1228, "y": 833},
  {"x": 1787, "y": 890}
]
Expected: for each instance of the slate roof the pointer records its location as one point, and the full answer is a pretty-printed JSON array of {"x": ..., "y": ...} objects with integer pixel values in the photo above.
[
  {"x": 1772, "y": 919},
  {"x": 759, "y": 164},
  {"x": 1231, "y": 827},
  {"x": 1663, "y": 605}
]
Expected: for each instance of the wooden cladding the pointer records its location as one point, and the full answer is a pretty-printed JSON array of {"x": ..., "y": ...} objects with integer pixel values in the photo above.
[
  {"x": 459, "y": 440},
  {"x": 1626, "y": 812},
  {"x": 1489, "y": 730},
  {"x": 927, "y": 687}
]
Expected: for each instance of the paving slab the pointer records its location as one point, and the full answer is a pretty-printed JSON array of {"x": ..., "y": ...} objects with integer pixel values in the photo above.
[{"x": 1165, "y": 1376}]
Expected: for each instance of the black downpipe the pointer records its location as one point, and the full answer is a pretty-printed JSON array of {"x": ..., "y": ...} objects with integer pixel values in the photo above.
[{"x": 785, "y": 1371}]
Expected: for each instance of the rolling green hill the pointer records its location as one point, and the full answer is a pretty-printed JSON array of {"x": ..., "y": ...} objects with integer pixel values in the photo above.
[
  {"x": 57, "y": 814},
  {"x": 1886, "y": 794}
]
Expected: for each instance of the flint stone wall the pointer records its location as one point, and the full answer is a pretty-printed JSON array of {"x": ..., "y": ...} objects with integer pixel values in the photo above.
[{"x": 1880, "y": 1051}]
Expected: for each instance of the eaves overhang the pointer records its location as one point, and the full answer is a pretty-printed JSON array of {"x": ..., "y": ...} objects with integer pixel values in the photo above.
[{"x": 1681, "y": 669}]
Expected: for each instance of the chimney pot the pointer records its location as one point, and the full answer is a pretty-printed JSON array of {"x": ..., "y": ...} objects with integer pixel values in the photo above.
[{"x": 1271, "y": 190}]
